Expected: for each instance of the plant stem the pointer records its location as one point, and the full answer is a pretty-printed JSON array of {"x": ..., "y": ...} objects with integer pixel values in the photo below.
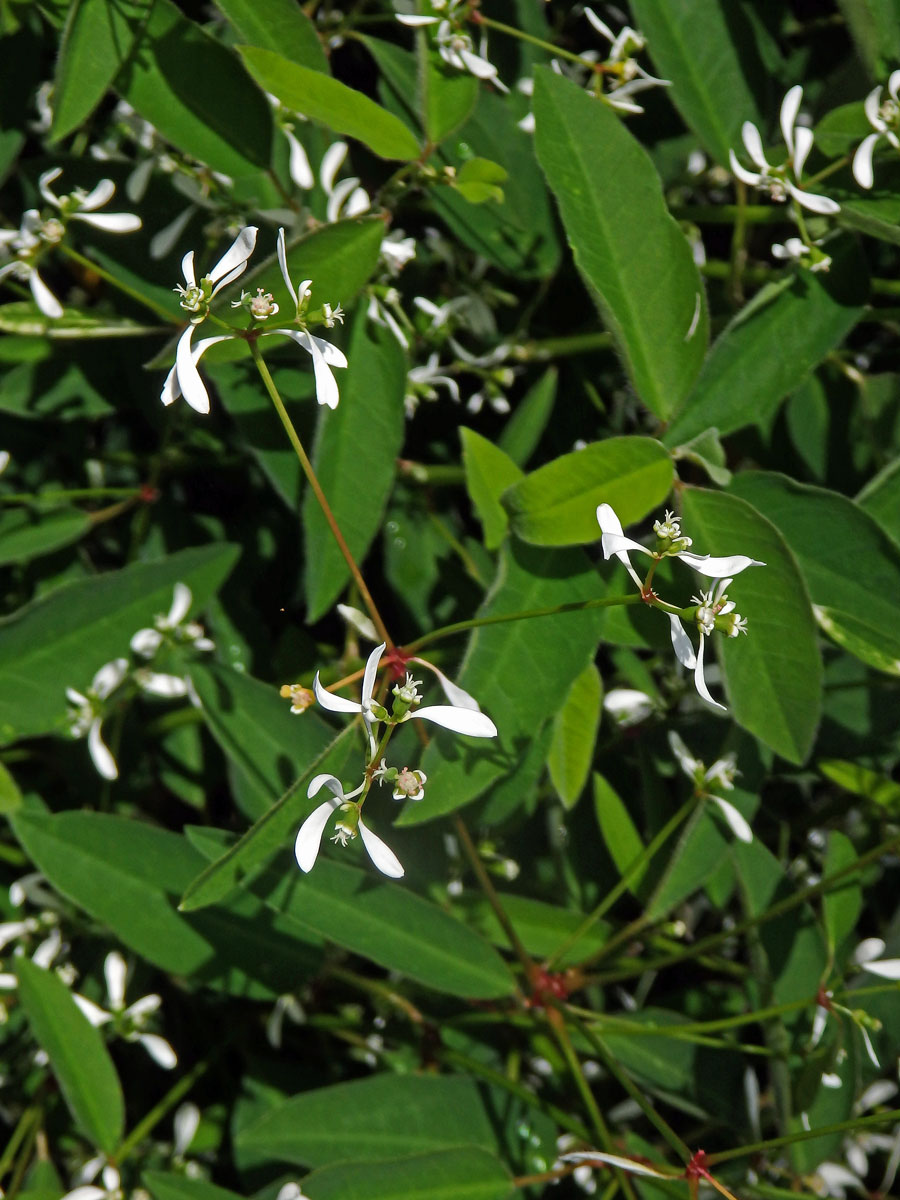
[
  {"x": 556, "y": 51},
  {"x": 804, "y": 1135},
  {"x": 127, "y": 289},
  {"x": 478, "y": 622},
  {"x": 310, "y": 474},
  {"x": 30, "y": 1117},
  {"x": 156, "y": 1114}
]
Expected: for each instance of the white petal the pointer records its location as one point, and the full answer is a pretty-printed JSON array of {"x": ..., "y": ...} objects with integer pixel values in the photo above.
[
  {"x": 187, "y": 381},
  {"x": 358, "y": 203},
  {"x": 686, "y": 760},
  {"x": 332, "y": 702},
  {"x": 282, "y": 262},
  {"x": 700, "y": 680},
  {"x": 718, "y": 568},
  {"x": 146, "y": 642},
  {"x": 94, "y": 1013},
  {"x": 100, "y": 752},
  {"x": 48, "y": 950},
  {"x": 862, "y": 161},
  {"x": 155, "y": 683},
  {"x": 99, "y": 195},
  {"x": 820, "y": 1020},
  {"x": 115, "y": 970},
  {"x": 139, "y": 180},
  {"x": 602, "y": 28},
  {"x": 868, "y": 949},
  {"x": 111, "y": 222},
  {"x": 181, "y": 605},
  {"x": 43, "y": 297},
  {"x": 736, "y": 821},
  {"x": 44, "y": 180},
  {"x": 413, "y": 21},
  {"x": 358, "y": 620},
  {"x": 749, "y": 177},
  {"x": 233, "y": 262},
  {"x": 460, "y": 720},
  {"x": 872, "y": 106},
  {"x": 457, "y": 696},
  {"x": 823, "y": 205},
  {"x": 186, "y": 1122},
  {"x": 332, "y": 161},
  {"x": 381, "y": 855},
  {"x": 329, "y": 781},
  {"x": 324, "y": 356},
  {"x": 309, "y": 839},
  {"x": 753, "y": 144},
  {"x": 870, "y": 1049},
  {"x": 790, "y": 106},
  {"x": 299, "y": 168},
  {"x": 338, "y": 195},
  {"x": 89, "y": 1192},
  {"x": 479, "y": 67},
  {"x": 109, "y": 677},
  {"x": 611, "y": 526},
  {"x": 681, "y": 643},
  {"x": 803, "y": 145},
  {"x": 187, "y": 269},
  {"x": 163, "y": 242},
  {"x": 159, "y": 1050},
  {"x": 143, "y": 1008},
  {"x": 887, "y": 968},
  {"x": 368, "y": 686},
  {"x": 619, "y": 544},
  {"x": 614, "y": 1160}
]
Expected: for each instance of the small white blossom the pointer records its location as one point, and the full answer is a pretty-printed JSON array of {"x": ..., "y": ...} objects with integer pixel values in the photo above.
[
  {"x": 81, "y": 205},
  {"x": 804, "y": 254},
  {"x": 783, "y": 181},
  {"x": 868, "y": 956},
  {"x": 621, "y": 65},
  {"x": 147, "y": 641},
  {"x": 86, "y": 714},
  {"x": 129, "y": 1022},
  {"x": 347, "y": 825},
  {"x": 720, "y": 774},
  {"x": 884, "y": 117}
]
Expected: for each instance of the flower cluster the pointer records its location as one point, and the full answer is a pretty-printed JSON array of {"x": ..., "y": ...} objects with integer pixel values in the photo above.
[
  {"x": 184, "y": 378},
  {"x": 884, "y": 117},
  {"x": 37, "y": 234},
  {"x": 713, "y": 611},
  {"x": 719, "y": 776},
  {"x": 454, "y": 45},
  {"x": 408, "y": 784}
]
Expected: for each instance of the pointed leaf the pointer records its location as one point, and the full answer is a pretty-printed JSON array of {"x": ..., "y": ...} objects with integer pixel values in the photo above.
[
  {"x": 488, "y": 473},
  {"x": 611, "y": 202},
  {"x": 278, "y": 25},
  {"x": 574, "y": 734}
]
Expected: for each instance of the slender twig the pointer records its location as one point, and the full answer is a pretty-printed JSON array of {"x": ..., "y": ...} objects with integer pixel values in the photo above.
[
  {"x": 127, "y": 289},
  {"x": 158, "y": 1111},
  {"x": 804, "y": 1135}
]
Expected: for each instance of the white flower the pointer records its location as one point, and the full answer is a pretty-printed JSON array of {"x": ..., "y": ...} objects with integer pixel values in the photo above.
[
  {"x": 147, "y": 641},
  {"x": 868, "y": 956},
  {"x": 109, "y": 1175},
  {"x": 344, "y": 198},
  {"x": 807, "y": 255},
  {"x": 457, "y": 717},
  {"x": 721, "y": 773},
  {"x": 777, "y": 179},
  {"x": 128, "y": 1022},
  {"x": 457, "y": 50},
  {"x": 711, "y": 604},
  {"x": 409, "y": 785},
  {"x": 348, "y": 824},
  {"x": 884, "y": 119},
  {"x": 184, "y": 378},
  {"x": 628, "y": 706},
  {"x": 397, "y": 250},
  {"x": 86, "y": 716},
  {"x": 423, "y": 381},
  {"x": 81, "y": 205},
  {"x": 621, "y": 65},
  {"x": 671, "y": 544},
  {"x": 27, "y": 242}
]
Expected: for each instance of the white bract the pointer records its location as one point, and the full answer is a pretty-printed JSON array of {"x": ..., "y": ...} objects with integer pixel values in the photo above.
[
  {"x": 173, "y": 627},
  {"x": 82, "y": 206},
  {"x": 868, "y": 956},
  {"x": 720, "y": 774},
  {"x": 783, "y": 181},
  {"x": 884, "y": 117},
  {"x": 621, "y": 65},
  {"x": 710, "y": 605},
  {"x": 184, "y": 378},
  {"x": 129, "y": 1022},
  {"x": 804, "y": 254},
  {"x": 347, "y": 825},
  {"x": 86, "y": 714}
]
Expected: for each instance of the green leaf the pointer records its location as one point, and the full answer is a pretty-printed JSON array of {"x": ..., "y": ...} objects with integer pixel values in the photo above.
[
  {"x": 24, "y": 535},
  {"x": 275, "y": 829},
  {"x": 64, "y": 637},
  {"x": 522, "y": 432},
  {"x": 767, "y": 352},
  {"x": 501, "y": 668},
  {"x": 197, "y": 94},
  {"x": 77, "y": 1054},
  {"x": 39, "y": 388},
  {"x": 389, "y": 924},
  {"x": 166, "y": 1185},
  {"x": 97, "y": 40},
  {"x": 842, "y": 904},
  {"x": 24, "y": 318},
  {"x": 356, "y": 443},
  {"x": 461, "y": 1174},
  {"x": 574, "y": 734},
  {"x": 773, "y": 675},
  {"x": 876, "y": 214},
  {"x": 851, "y": 567},
  {"x": 324, "y": 99},
  {"x": 880, "y": 498},
  {"x": 874, "y": 26},
  {"x": 706, "y": 49},
  {"x": 10, "y": 796},
  {"x": 279, "y": 25},
  {"x": 611, "y": 202},
  {"x": 488, "y": 473},
  {"x": 861, "y": 781},
  {"x": 267, "y": 743},
  {"x": 479, "y": 180},
  {"x": 128, "y": 874},
  {"x": 556, "y": 505},
  {"x": 379, "y": 1118},
  {"x": 448, "y": 96},
  {"x": 620, "y": 837}
]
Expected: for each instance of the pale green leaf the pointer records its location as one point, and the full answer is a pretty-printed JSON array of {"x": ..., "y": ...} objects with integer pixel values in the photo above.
[
  {"x": 464, "y": 1173},
  {"x": 488, "y": 473},
  {"x": 279, "y": 25},
  {"x": 574, "y": 734},
  {"x": 24, "y": 535}
]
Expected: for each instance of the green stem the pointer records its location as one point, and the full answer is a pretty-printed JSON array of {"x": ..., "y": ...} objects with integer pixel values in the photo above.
[
  {"x": 126, "y": 289},
  {"x": 478, "y": 622},
  {"x": 804, "y": 1135},
  {"x": 692, "y": 1027},
  {"x": 556, "y": 51},
  {"x": 156, "y": 1114},
  {"x": 539, "y": 350},
  {"x": 612, "y": 896},
  {"x": 55, "y": 495},
  {"x": 316, "y": 487},
  {"x": 31, "y": 1117}
]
